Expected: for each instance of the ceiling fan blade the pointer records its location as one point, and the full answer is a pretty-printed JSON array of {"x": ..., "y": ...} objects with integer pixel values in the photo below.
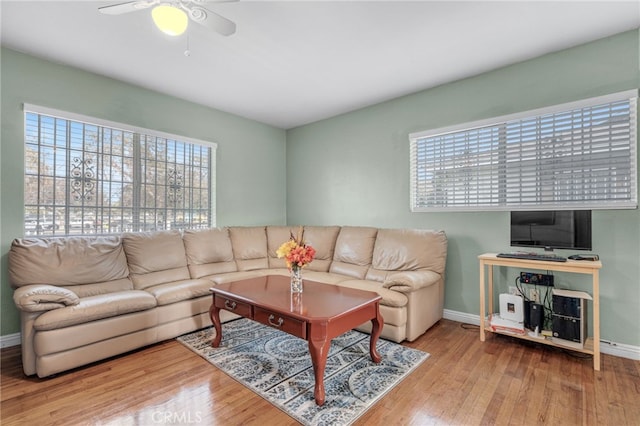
[
  {"x": 211, "y": 20},
  {"x": 130, "y": 6}
]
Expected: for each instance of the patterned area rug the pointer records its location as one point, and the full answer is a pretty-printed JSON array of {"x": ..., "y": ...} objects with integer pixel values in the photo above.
[{"x": 277, "y": 366}]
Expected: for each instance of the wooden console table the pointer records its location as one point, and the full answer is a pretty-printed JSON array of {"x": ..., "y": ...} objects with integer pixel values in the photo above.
[{"x": 489, "y": 260}]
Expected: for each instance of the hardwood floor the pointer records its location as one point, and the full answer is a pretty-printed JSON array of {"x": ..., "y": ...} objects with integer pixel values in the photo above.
[{"x": 464, "y": 382}]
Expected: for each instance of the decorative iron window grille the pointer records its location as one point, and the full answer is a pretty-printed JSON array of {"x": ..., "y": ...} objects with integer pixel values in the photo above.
[
  {"x": 581, "y": 155},
  {"x": 88, "y": 176}
]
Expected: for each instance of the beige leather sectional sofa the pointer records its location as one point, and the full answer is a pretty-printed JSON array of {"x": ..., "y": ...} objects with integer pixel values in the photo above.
[{"x": 83, "y": 299}]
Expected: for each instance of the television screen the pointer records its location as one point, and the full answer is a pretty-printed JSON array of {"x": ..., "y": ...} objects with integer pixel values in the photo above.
[{"x": 560, "y": 229}]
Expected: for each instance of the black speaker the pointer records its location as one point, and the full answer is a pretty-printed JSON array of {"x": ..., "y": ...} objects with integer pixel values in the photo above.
[
  {"x": 568, "y": 320},
  {"x": 527, "y": 314},
  {"x": 567, "y": 306},
  {"x": 536, "y": 316}
]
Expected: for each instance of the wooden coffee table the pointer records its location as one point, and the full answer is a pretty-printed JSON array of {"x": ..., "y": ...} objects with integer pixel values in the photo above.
[{"x": 319, "y": 314}]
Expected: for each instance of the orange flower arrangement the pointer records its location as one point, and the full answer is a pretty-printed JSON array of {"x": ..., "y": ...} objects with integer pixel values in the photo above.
[{"x": 296, "y": 252}]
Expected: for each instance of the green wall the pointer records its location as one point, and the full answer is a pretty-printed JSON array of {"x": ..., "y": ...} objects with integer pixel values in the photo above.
[
  {"x": 251, "y": 176},
  {"x": 353, "y": 170}
]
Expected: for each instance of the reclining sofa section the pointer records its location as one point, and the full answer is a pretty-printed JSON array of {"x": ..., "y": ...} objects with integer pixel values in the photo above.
[{"x": 83, "y": 299}]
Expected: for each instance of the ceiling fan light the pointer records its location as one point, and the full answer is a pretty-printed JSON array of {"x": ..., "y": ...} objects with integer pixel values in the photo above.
[{"x": 169, "y": 19}]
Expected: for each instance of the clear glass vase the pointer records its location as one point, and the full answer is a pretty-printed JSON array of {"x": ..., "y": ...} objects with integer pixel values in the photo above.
[
  {"x": 296, "y": 302},
  {"x": 296, "y": 280}
]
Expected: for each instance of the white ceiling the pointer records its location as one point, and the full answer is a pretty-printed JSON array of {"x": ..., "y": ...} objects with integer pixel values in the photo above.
[{"x": 295, "y": 62}]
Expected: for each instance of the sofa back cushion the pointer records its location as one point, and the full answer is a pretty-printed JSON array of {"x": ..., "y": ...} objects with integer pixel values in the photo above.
[
  {"x": 249, "y": 247},
  {"x": 209, "y": 252},
  {"x": 276, "y": 235},
  {"x": 410, "y": 250},
  {"x": 353, "y": 251},
  {"x": 98, "y": 263},
  {"x": 155, "y": 257},
  {"x": 323, "y": 240}
]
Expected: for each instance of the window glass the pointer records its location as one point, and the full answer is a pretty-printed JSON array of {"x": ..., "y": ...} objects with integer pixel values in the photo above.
[{"x": 83, "y": 178}]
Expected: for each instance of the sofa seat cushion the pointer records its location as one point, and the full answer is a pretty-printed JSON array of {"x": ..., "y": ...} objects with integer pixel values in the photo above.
[
  {"x": 240, "y": 275},
  {"x": 324, "y": 277},
  {"x": 389, "y": 297},
  {"x": 177, "y": 291},
  {"x": 94, "y": 308},
  {"x": 95, "y": 289}
]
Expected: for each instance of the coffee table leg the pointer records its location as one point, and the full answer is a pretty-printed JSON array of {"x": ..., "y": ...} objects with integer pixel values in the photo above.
[
  {"x": 319, "y": 345},
  {"x": 214, "y": 314},
  {"x": 377, "y": 324}
]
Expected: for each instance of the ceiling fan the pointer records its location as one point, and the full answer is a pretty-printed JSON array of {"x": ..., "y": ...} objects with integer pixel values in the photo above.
[{"x": 172, "y": 17}]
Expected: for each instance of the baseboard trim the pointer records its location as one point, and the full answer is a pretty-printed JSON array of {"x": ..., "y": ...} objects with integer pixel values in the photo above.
[
  {"x": 461, "y": 317},
  {"x": 620, "y": 350},
  {"x": 610, "y": 348},
  {"x": 10, "y": 340}
]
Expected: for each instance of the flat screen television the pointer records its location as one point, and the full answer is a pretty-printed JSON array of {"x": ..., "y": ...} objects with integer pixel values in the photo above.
[{"x": 559, "y": 229}]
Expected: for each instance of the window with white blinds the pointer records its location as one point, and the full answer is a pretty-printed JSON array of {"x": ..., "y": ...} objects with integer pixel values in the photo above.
[
  {"x": 581, "y": 155},
  {"x": 88, "y": 176}
]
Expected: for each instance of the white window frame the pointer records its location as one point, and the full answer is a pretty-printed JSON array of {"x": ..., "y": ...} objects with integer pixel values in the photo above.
[
  {"x": 139, "y": 132},
  {"x": 493, "y": 190}
]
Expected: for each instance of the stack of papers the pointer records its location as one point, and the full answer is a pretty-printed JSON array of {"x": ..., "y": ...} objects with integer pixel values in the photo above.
[{"x": 504, "y": 325}]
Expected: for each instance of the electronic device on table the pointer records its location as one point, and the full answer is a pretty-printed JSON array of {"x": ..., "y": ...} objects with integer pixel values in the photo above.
[
  {"x": 569, "y": 317},
  {"x": 533, "y": 256},
  {"x": 510, "y": 319}
]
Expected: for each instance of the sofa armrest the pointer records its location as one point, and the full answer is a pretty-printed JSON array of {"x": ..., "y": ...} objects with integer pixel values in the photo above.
[
  {"x": 408, "y": 281},
  {"x": 43, "y": 297}
]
